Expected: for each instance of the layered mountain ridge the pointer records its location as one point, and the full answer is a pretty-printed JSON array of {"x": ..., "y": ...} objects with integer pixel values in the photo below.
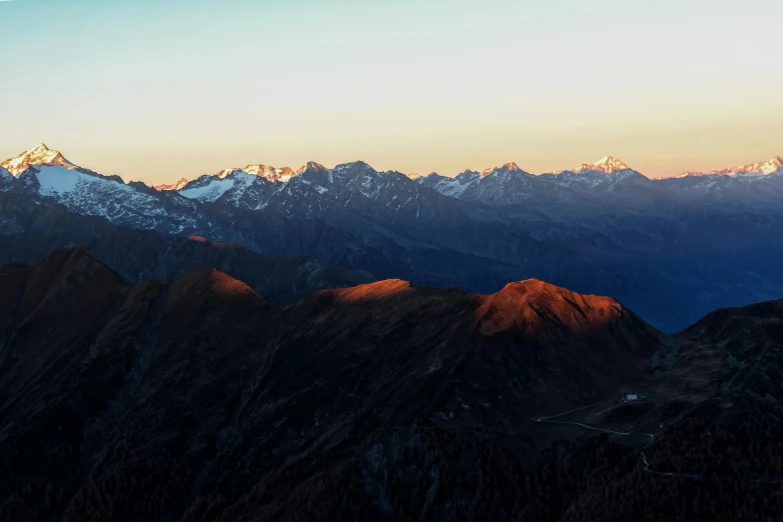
[
  {"x": 164, "y": 370},
  {"x": 672, "y": 249}
]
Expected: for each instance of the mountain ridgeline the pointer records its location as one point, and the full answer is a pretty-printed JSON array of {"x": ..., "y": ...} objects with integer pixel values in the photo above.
[
  {"x": 671, "y": 249},
  {"x": 202, "y": 401}
]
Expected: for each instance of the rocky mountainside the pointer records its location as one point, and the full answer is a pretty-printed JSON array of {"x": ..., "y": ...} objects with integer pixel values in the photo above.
[
  {"x": 173, "y": 186},
  {"x": 6, "y": 180},
  {"x": 671, "y": 249},
  {"x": 202, "y": 401}
]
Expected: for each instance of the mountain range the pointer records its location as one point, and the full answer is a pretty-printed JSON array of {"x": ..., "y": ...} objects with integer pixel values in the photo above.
[
  {"x": 30, "y": 231},
  {"x": 201, "y": 401},
  {"x": 671, "y": 249}
]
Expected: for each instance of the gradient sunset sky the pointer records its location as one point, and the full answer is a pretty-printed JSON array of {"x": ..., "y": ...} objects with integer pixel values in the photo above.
[{"x": 158, "y": 90}]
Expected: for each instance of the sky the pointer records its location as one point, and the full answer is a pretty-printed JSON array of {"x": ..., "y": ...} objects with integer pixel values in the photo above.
[{"x": 164, "y": 89}]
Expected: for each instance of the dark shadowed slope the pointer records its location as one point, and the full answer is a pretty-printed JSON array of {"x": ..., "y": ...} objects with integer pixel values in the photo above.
[
  {"x": 201, "y": 401},
  {"x": 718, "y": 393}
]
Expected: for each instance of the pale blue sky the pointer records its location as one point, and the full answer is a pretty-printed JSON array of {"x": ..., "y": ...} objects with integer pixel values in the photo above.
[{"x": 157, "y": 90}]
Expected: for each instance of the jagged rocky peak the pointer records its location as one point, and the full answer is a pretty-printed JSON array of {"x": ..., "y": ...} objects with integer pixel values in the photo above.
[
  {"x": 352, "y": 171},
  {"x": 172, "y": 186},
  {"x": 38, "y": 155},
  {"x": 607, "y": 164},
  {"x": 311, "y": 166},
  {"x": 271, "y": 173}
]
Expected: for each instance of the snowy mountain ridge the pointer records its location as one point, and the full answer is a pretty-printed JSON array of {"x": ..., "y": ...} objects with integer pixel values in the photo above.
[
  {"x": 257, "y": 186},
  {"x": 42, "y": 155},
  {"x": 768, "y": 168}
]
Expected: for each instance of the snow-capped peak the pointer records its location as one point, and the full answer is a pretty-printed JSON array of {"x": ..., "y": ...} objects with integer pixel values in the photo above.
[
  {"x": 508, "y": 167},
  {"x": 607, "y": 164},
  {"x": 38, "y": 155}
]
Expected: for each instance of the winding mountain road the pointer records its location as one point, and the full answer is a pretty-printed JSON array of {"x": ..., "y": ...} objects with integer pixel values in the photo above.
[
  {"x": 669, "y": 473},
  {"x": 591, "y": 427},
  {"x": 624, "y": 433},
  {"x": 693, "y": 476}
]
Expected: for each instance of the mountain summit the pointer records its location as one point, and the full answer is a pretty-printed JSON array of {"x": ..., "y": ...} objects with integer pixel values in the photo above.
[
  {"x": 607, "y": 164},
  {"x": 507, "y": 167},
  {"x": 38, "y": 155}
]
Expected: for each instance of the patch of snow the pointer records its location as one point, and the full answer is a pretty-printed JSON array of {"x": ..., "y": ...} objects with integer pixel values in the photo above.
[
  {"x": 57, "y": 180},
  {"x": 210, "y": 191},
  {"x": 451, "y": 187}
]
